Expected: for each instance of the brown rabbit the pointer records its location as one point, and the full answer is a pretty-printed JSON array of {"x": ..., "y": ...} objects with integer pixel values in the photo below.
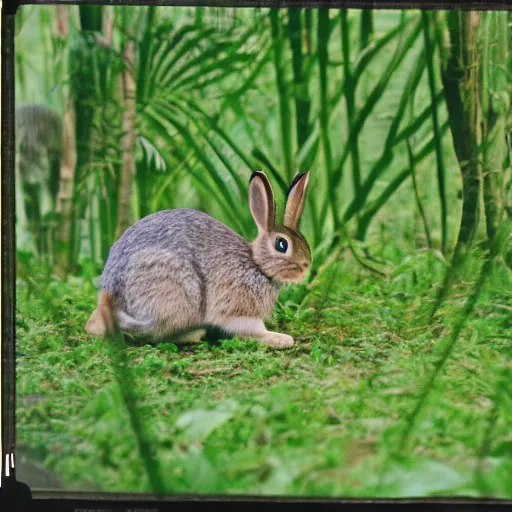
[{"x": 179, "y": 270}]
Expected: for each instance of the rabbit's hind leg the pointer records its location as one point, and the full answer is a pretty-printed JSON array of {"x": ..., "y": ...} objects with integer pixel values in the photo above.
[
  {"x": 249, "y": 327},
  {"x": 165, "y": 288}
]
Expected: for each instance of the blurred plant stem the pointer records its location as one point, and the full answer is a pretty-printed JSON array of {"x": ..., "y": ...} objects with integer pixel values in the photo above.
[
  {"x": 496, "y": 250},
  {"x": 64, "y": 205},
  {"x": 366, "y": 29},
  {"x": 350, "y": 98},
  {"x": 460, "y": 72},
  {"x": 495, "y": 106},
  {"x": 441, "y": 171},
  {"x": 124, "y": 218},
  {"x": 458, "y": 37},
  {"x": 283, "y": 92},
  {"x": 323, "y": 59},
  {"x": 300, "y": 80}
]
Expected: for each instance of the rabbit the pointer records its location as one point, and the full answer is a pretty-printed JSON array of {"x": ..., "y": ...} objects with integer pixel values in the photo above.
[{"x": 179, "y": 270}]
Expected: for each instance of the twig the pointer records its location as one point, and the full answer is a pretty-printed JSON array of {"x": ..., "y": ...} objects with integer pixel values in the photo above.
[{"x": 209, "y": 371}]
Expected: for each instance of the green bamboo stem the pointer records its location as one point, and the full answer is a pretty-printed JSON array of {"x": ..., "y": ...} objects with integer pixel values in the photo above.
[
  {"x": 377, "y": 92},
  {"x": 441, "y": 171},
  {"x": 116, "y": 349},
  {"x": 301, "y": 95},
  {"x": 495, "y": 105},
  {"x": 460, "y": 75},
  {"x": 350, "y": 99},
  {"x": 283, "y": 93},
  {"x": 323, "y": 59},
  {"x": 412, "y": 165},
  {"x": 460, "y": 71},
  {"x": 366, "y": 28}
]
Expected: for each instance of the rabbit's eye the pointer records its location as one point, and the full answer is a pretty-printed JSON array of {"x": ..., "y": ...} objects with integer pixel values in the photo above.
[{"x": 281, "y": 245}]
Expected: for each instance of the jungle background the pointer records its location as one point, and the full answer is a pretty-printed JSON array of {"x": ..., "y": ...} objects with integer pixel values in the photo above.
[{"x": 400, "y": 380}]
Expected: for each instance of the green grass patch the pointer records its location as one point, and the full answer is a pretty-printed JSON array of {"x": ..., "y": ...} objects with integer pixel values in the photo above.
[{"x": 324, "y": 418}]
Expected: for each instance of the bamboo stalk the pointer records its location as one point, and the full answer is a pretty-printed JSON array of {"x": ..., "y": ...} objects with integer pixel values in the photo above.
[
  {"x": 366, "y": 29},
  {"x": 460, "y": 75},
  {"x": 441, "y": 171},
  {"x": 495, "y": 103},
  {"x": 128, "y": 167},
  {"x": 460, "y": 71},
  {"x": 301, "y": 95},
  {"x": 283, "y": 94},
  {"x": 323, "y": 58},
  {"x": 421, "y": 210},
  {"x": 64, "y": 205},
  {"x": 350, "y": 99}
]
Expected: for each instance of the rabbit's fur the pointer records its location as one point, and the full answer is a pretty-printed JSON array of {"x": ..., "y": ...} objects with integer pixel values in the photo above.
[{"x": 178, "y": 270}]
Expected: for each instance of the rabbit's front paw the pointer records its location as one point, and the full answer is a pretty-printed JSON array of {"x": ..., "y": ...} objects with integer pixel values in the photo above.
[{"x": 277, "y": 340}]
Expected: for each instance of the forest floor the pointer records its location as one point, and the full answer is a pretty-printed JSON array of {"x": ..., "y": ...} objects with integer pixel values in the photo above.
[{"x": 325, "y": 418}]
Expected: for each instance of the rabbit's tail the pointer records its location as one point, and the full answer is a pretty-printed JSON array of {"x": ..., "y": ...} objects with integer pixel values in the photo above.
[{"x": 103, "y": 319}]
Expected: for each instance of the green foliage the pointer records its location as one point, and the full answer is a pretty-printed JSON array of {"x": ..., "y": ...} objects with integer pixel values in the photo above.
[
  {"x": 325, "y": 418},
  {"x": 370, "y": 401}
]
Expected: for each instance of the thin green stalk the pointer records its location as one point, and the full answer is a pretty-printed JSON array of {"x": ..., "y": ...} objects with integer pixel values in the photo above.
[
  {"x": 121, "y": 365},
  {"x": 460, "y": 72},
  {"x": 362, "y": 62},
  {"x": 323, "y": 59},
  {"x": 387, "y": 153},
  {"x": 308, "y": 25},
  {"x": 412, "y": 165},
  {"x": 350, "y": 95},
  {"x": 283, "y": 93},
  {"x": 366, "y": 28},
  {"x": 441, "y": 171},
  {"x": 401, "y": 51},
  {"x": 416, "y": 124},
  {"x": 449, "y": 345},
  {"x": 370, "y": 212},
  {"x": 495, "y": 105},
  {"x": 144, "y": 53},
  {"x": 301, "y": 95}
]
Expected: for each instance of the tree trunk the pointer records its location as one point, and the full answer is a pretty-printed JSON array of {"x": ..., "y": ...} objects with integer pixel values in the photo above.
[
  {"x": 67, "y": 166},
  {"x": 460, "y": 72},
  {"x": 65, "y": 196},
  {"x": 128, "y": 169},
  {"x": 496, "y": 104}
]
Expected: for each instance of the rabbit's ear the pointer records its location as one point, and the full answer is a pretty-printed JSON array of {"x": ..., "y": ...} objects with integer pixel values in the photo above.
[
  {"x": 295, "y": 200},
  {"x": 261, "y": 202}
]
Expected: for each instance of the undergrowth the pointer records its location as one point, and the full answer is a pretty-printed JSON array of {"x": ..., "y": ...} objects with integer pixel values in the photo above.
[{"x": 325, "y": 418}]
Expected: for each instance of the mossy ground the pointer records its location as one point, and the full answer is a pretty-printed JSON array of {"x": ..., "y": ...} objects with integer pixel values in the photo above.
[{"x": 324, "y": 418}]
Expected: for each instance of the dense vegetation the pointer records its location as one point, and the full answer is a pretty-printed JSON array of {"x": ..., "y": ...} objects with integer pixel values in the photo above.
[{"x": 400, "y": 382}]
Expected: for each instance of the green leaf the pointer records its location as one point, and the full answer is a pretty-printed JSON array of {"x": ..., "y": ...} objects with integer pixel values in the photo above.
[
  {"x": 198, "y": 424},
  {"x": 415, "y": 478}
]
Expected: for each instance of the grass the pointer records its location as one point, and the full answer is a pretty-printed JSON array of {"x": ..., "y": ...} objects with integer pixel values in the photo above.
[
  {"x": 328, "y": 417},
  {"x": 325, "y": 418}
]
